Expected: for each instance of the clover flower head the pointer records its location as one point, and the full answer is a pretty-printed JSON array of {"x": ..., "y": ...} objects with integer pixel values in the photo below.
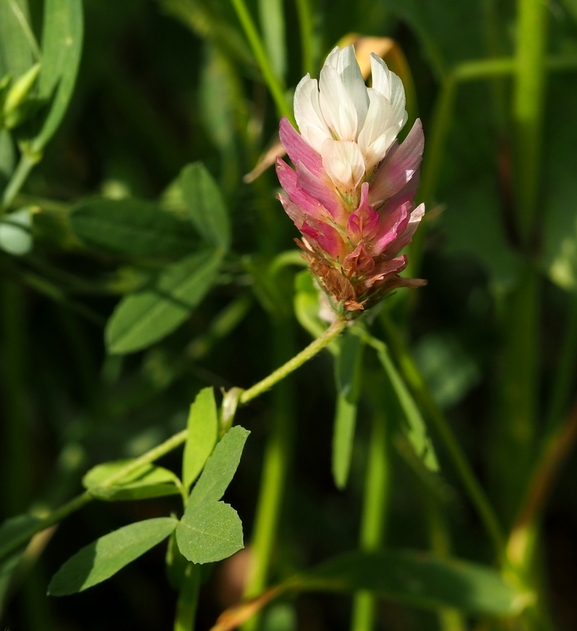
[{"x": 351, "y": 191}]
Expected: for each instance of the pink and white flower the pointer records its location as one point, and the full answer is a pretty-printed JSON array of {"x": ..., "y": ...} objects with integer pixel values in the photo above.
[{"x": 351, "y": 192}]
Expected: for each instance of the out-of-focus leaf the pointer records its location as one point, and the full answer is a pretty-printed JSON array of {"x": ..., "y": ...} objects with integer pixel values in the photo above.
[
  {"x": 145, "y": 482},
  {"x": 7, "y": 568},
  {"x": 211, "y": 530},
  {"x": 347, "y": 377},
  {"x": 273, "y": 30},
  {"x": 62, "y": 33},
  {"x": 219, "y": 98},
  {"x": 418, "y": 579},
  {"x": 559, "y": 216},
  {"x": 16, "y": 232},
  {"x": 202, "y": 434},
  {"x": 107, "y": 555},
  {"x": 415, "y": 429},
  {"x": 10, "y": 530},
  {"x": 205, "y": 205},
  {"x": 15, "y": 51},
  {"x": 450, "y": 31},
  {"x": 132, "y": 226},
  {"x": 205, "y": 18},
  {"x": 473, "y": 227},
  {"x": 448, "y": 370},
  {"x": 154, "y": 311}
]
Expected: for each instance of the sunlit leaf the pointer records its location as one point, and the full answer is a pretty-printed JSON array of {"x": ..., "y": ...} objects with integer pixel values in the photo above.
[
  {"x": 107, "y": 555},
  {"x": 154, "y": 311},
  {"x": 202, "y": 434},
  {"x": 62, "y": 34},
  {"x": 15, "y": 50},
  {"x": 146, "y": 481},
  {"x": 211, "y": 530}
]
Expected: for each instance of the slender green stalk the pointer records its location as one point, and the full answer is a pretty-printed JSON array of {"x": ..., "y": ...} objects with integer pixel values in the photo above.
[
  {"x": 423, "y": 395},
  {"x": 306, "y": 23},
  {"x": 17, "y": 180},
  {"x": 528, "y": 109},
  {"x": 296, "y": 362},
  {"x": 376, "y": 498},
  {"x": 277, "y": 459},
  {"x": 174, "y": 441},
  {"x": 188, "y": 599},
  {"x": 275, "y": 85},
  {"x": 449, "y": 619}
]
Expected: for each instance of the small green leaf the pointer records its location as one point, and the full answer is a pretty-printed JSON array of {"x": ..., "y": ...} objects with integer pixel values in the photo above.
[
  {"x": 62, "y": 34},
  {"x": 132, "y": 226},
  {"x": 145, "y": 482},
  {"x": 16, "y": 232},
  {"x": 107, "y": 555},
  {"x": 7, "y": 156},
  {"x": 212, "y": 533},
  {"x": 418, "y": 579},
  {"x": 205, "y": 205},
  {"x": 347, "y": 376},
  {"x": 211, "y": 530},
  {"x": 415, "y": 430},
  {"x": 202, "y": 434},
  {"x": 220, "y": 468},
  {"x": 151, "y": 313}
]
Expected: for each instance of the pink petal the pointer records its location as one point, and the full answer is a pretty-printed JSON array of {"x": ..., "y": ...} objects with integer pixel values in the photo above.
[
  {"x": 298, "y": 148},
  {"x": 392, "y": 225},
  {"x": 399, "y": 167},
  {"x": 407, "y": 236},
  {"x": 322, "y": 191},
  {"x": 364, "y": 221},
  {"x": 288, "y": 180}
]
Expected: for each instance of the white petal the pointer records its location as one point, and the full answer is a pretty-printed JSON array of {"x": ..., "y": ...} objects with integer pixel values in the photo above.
[
  {"x": 352, "y": 78},
  {"x": 379, "y": 130},
  {"x": 344, "y": 163},
  {"x": 308, "y": 113},
  {"x": 390, "y": 86},
  {"x": 337, "y": 106}
]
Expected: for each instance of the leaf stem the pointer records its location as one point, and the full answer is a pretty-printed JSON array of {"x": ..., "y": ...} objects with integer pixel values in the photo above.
[
  {"x": 188, "y": 599},
  {"x": 475, "y": 491},
  {"x": 27, "y": 162},
  {"x": 296, "y": 362},
  {"x": 277, "y": 459},
  {"x": 375, "y": 500},
  {"x": 174, "y": 441},
  {"x": 275, "y": 85}
]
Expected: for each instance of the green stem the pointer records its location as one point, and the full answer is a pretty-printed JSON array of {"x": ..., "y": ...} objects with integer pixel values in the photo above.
[
  {"x": 187, "y": 599},
  {"x": 528, "y": 109},
  {"x": 275, "y": 85},
  {"x": 306, "y": 22},
  {"x": 296, "y": 362},
  {"x": 277, "y": 459},
  {"x": 475, "y": 491},
  {"x": 376, "y": 497},
  {"x": 17, "y": 180},
  {"x": 174, "y": 441}
]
